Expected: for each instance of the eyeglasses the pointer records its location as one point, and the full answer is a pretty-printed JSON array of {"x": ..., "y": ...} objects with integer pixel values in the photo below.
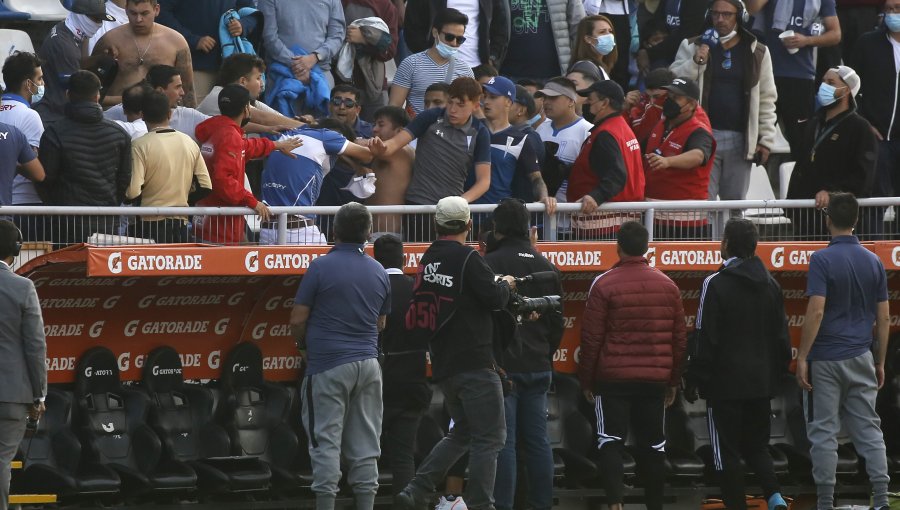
[
  {"x": 461, "y": 39},
  {"x": 726, "y": 62},
  {"x": 723, "y": 15},
  {"x": 347, "y": 102},
  {"x": 891, "y": 10}
]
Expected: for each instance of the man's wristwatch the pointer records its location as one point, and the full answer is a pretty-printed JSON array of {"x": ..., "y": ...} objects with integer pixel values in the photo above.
[{"x": 318, "y": 56}]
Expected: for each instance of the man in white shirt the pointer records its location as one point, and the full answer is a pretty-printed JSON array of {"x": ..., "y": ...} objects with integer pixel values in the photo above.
[
  {"x": 563, "y": 135},
  {"x": 116, "y": 9},
  {"x": 24, "y": 81},
  {"x": 132, "y": 104}
]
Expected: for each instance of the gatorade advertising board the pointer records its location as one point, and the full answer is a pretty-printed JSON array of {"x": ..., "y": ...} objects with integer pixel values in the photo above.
[{"x": 203, "y": 300}]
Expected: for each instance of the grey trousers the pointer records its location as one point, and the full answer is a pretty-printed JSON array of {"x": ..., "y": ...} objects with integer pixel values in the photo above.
[
  {"x": 845, "y": 390},
  {"x": 12, "y": 430},
  {"x": 730, "y": 175},
  {"x": 475, "y": 402},
  {"x": 342, "y": 412}
]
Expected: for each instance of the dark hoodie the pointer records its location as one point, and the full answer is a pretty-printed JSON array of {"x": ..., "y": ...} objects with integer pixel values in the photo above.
[
  {"x": 742, "y": 348},
  {"x": 87, "y": 158}
]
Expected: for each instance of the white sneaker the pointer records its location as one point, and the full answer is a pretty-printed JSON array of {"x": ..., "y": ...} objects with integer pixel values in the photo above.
[{"x": 451, "y": 502}]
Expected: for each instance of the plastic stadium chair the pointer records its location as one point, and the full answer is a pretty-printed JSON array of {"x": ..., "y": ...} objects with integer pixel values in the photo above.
[
  {"x": 761, "y": 189},
  {"x": 784, "y": 178},
  {"x": 7, "y": 15},
  {"x": 39, "y": 10}
]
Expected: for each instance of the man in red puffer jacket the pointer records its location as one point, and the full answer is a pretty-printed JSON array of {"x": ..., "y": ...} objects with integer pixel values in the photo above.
[{"x": 633, "y": 343}]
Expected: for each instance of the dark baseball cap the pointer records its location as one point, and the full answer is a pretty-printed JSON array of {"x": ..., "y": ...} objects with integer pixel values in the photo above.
[
  {"x": 501, "y": 86},
  {"x": 684, "y": 87},
  {"x": 92, "y": 8},
  {"x": 605, "y": 88},
  {"x": 524, "y": 98},
  {"x": 587, "y": 68},
  {"x": 233, "y": 98}
]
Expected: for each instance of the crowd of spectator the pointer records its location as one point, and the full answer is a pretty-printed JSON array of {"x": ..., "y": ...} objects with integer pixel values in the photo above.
[{"x": 499, "y": 99}]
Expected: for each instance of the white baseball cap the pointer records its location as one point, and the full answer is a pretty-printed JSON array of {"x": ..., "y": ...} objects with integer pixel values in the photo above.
[
  {"x": 450, "y": 209},
  {"x": 850, "y": 78}
]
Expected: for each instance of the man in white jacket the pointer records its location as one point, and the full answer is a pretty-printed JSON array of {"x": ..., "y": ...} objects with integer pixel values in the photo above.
[{"x": 737, "y": 89}]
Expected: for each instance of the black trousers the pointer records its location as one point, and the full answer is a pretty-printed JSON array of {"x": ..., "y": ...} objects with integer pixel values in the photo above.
[
  {"x": 163, "y": 231},
  {"x": 643, "y": 414},
  {"x": 741, "y": 428},
  {"x": 398, "y": 437},
  {"x": 796, "y": 97}
]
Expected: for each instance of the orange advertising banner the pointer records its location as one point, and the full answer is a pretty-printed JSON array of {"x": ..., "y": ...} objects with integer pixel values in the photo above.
[
  {"x": 203, "y": 300},
  {"x": 200, "y": 260}
]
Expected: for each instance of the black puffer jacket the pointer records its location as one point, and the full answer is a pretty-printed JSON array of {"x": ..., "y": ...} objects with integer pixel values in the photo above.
[{"x": 86, "y": 157}]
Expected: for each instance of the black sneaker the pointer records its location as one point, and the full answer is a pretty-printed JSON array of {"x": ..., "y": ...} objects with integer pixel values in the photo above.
[{"x": 405, "y": 500}]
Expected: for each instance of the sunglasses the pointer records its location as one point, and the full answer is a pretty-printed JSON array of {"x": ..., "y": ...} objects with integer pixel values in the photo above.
[
  {"x": 726, "y": 63},
  {"x": 348, "y": 103},
  {"x": 461, "y": 39}
]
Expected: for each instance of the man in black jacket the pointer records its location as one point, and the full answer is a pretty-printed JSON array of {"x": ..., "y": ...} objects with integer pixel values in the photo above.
[
  {"x": 836, "y": 153},
  {"x": 453, "y": 298},
  {"x": 405, "y": 391},
  {"x": 878, "y": 99},
  {"x": 529, "y": 365},
  {"x": 490, "y": 29},
  {"x": 87, "y": 160},
  {"x": 741, "y": 356}
]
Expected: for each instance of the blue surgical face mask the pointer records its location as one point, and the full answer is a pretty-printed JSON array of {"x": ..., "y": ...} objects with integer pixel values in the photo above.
[
  {"x": 892, "y": 21},
  {"x": 532, "y": 121},
  {"x": 825, "y": 96},
  {"x": 605, "y": 44},
  {"x": 445, "y": 50},
  {"x": 38, "y": 95}
]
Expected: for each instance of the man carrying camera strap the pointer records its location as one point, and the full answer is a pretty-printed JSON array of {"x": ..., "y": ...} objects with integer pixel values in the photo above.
[
  {"x": 633, "y": 342},
  {"x": 453, "y": 299},
  {"x": 529, "y": 362}
]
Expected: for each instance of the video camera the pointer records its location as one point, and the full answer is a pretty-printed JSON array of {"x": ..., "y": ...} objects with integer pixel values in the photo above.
[{"x": 521, "y": 306}]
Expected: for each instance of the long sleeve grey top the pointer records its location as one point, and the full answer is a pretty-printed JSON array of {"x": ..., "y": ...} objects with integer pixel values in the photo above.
[{"x": 317, "y": 26}]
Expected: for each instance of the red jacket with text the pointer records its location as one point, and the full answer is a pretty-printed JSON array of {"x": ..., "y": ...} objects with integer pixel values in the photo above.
[
  {"x": 676, "y": 183},
  {"x": 584, "y": 179},
  {"x": 633, "y": 329},
  {"x": 226, "y": 150}
]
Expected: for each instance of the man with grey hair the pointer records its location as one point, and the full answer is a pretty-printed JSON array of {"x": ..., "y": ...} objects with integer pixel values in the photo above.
[{"x": 340, "y": 307}]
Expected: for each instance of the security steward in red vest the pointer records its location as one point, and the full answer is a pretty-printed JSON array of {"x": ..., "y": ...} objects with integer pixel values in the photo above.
[
  {"x": 677, "y": 162},
  {"x": 609, "y": 166}
]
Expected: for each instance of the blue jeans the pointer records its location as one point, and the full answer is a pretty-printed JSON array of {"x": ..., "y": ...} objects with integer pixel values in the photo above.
[
  {"x": 475, "y": 402},
  {"x": 526, "y": 424}
]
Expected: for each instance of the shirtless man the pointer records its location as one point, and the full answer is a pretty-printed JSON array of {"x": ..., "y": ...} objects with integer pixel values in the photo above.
[
  {"x": 142, "y": 44},
  {"x": 393, "y": 172}
]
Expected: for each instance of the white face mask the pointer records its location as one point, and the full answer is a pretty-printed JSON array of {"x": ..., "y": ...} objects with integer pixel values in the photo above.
[
  {"x": 362, "y": 187},
  {"x": 82, "y": 26},
  {"x": 725, "y": 38}
]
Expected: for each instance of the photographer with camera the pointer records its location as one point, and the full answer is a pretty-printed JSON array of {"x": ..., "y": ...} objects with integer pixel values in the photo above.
[
  {"x": 451, "y": 310},
  {"x": 529, "y": 366},
  {"x": 633, "y": 341}
]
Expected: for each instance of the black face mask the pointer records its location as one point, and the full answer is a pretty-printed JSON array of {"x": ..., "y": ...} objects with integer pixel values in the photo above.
[
  {"x": 671, "y": 109},
  {"x": 586, "y": 113}
]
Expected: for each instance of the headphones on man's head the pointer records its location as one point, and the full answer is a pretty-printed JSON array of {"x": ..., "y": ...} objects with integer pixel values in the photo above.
[
  {"x": 14, "y": 248},
  {"x": 743, "y": 16}
]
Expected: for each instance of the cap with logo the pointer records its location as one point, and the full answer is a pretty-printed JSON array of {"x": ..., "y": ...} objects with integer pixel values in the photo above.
[
  {"x": 92, "y": 8},
  {"x": 501, "y": 86},
  {"x": 684, "y": 87},
  {"x": 553, "y": 89},
  {"x": 605, "y": 88},
  {"x": 233, "y": 99},
  {"x": 850, "y": 78},
  {"x": 451, "y": 209}
]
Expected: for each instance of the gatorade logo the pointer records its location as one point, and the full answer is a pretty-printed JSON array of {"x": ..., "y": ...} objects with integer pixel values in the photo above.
[
  {"x": 114, "y": 262},
  {"x": 778, "y": 257},
  {"x": 251, "y": 261},
  {"x": 895, "y": 256},
  {"x": 651, "y": 256}
]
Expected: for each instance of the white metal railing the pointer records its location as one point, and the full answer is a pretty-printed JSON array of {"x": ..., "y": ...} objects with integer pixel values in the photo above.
[{"x": 778, "y": 219}]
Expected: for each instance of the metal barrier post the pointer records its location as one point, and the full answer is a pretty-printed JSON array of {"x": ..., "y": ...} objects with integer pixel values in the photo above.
[
  {"x": 550, "y": 221},
  {"x": 648, "y": 222},
  {"x": 282, "y": 228}
]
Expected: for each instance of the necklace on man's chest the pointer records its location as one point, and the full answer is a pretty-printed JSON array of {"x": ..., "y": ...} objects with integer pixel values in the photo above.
[{"x": 140, "y": 53}]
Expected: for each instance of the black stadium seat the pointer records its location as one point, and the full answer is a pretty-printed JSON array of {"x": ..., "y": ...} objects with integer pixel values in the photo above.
[
  {"x": 182, "y": 415},
  {"x": 256, "y": 417},
  {"x": 52, "y": 457},
  {"x": 114, "y": 432}
]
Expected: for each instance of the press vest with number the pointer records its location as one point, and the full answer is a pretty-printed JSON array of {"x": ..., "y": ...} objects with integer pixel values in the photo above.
[
  {"x": 676, "y": 183},
  {"x": 436, "y": 293},
  {"x": 584, "y": 179}
]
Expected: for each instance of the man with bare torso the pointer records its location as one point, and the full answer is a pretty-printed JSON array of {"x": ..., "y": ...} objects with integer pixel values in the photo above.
[
  {"x": 142, "y": 44},
  {"x": 393, "y": 172}
]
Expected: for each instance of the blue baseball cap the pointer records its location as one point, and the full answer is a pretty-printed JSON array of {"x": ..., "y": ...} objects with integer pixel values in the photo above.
[{"x": 500, "y": 86}]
